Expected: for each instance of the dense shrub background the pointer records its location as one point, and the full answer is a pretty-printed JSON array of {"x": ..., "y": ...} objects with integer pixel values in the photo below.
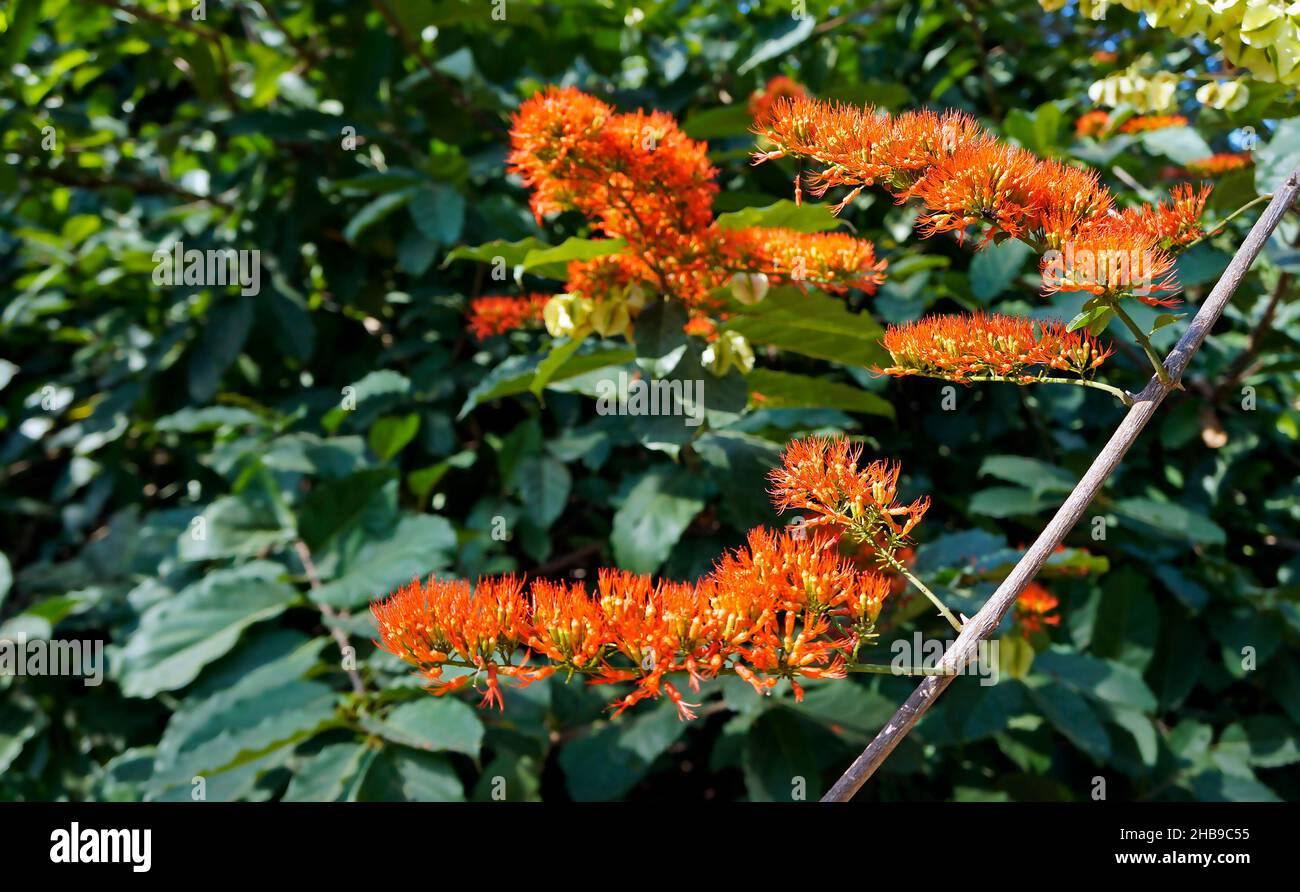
[{"x": 127, "y": 410}]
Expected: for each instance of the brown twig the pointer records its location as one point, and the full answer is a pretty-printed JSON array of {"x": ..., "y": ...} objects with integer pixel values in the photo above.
[
  {"x": 332, "y": 616},
  {"x": 984, "y": 623}
]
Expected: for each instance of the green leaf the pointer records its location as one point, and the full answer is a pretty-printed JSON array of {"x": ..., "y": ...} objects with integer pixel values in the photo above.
[
  {"x": 812, "y": 324},
  {"x": 1011, "y": 501},
  {"x": 652, "y": 518},
  {"x": 373, "y": 212},
  {"x": 995, "y": 267},
  {"x": 784, "y": 214},
  {"x": 1178, "y": 144},
  {"x": 20, "y": 722},
  {"x": 404, "y": 775},
  {"x": 1094, "y": 318},
  {"x": 779, "y": 759},
  {"x": 787, "y": 34},
  {"x": 660, "y": 338},
  {"x": 433, "y": 724},
  {"x": 608, "y": 763},
  {"x": 511, "y": 253},
  {"x": 553, "y": 263},
  {"x": 551, "y": 363},
  {"x": 516, "y": 374},
  {"x": 1039, "y": 476},
  {"x": 785, "y": 390},
  {"x": 717, "y": 123},
  {"x": 1073, "y": 717},
  {"x": 334, "y": 505},
  {"x": 1103, "y": 680},
  {"x": 178, "y": 636},
  {"x": 326, "y": 776},
  {"x": 1163, "y": 320},
  {"x": 234, "y": 526},
  {"x": 219, "y": 344},
  {"x": 544, "y": 485},
  {"x": 389, "y": 435},
  {"x": 438, "y": 211},
  {"x": 417, "y": 546},
  {"x": 1263, "y": 741},
  {"x": 1173, "y": 519},
  {"x": 1275, "y": 161}
]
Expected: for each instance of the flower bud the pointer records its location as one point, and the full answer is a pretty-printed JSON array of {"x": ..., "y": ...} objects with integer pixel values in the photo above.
[{"x": 749, "y": 288}]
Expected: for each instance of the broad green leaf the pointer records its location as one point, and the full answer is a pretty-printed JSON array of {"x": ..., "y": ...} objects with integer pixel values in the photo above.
[
  {"x": 234, "y": 526},
  {"x": 812, "y": 324},
  {"x": 1172, "y": 519},
  {"x": 784, "y": 214},
  {"x": 607, "y": 763},
  {"x": 771, "y": 389},
  {"x": 1102, "y": 680},
  {"x": 516, "y": 374},
  {"x": 325, "y": 776},
  {"x": 1281, "y": 155},
  {"x": 1073, "y": 717},
  {"x": 431, "y": 723},
  {"x": 652, "y": 518},
  {"x": 391, "y": 434},
  {"x": 779, "y": 759},
  {"x": 334, "y": 505},
  {"x": 419, "y": 545},
  {"x": 178, "y": 636},
  {"x": 374, "y": 211},
  {"x": 995, "y": 267},
  {"x": 553, "y": 263},
  {"x": 398, "y": 774},
  {"x": 1178, "y": 144},
  {"x": 717, "y": 123},
  {"x": 1039, "y": 476},
  {"x": 510, "y": 254},
  {"x": 544, "y": 485}
]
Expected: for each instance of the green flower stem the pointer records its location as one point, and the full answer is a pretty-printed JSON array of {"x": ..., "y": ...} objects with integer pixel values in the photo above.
[
  {"x": 921, "y": 587},
  {"x": 1157, "y": 362},
  {"x": 1116, "y": 392},
  {"x": 1219, "y": 227}
]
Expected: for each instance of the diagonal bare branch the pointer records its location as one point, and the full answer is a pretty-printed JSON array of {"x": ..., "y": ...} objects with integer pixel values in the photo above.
[{"x": 990, "y": 616}]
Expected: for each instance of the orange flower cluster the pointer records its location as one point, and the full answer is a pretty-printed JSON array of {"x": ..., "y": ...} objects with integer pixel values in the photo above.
[
  {"x": 1217, "y": 165},
  {"x": 835, "y": 261},
  {"x": 495, "y": 315},
  {"x": 787, "y": 605},
  {"x": 958, "y": 348},
  {"x": 1034, "y": 609},
  {"x": 761, "y": 103},
  {"x": 821, "y": 476},
  {"x": 640, "y": 179},
  {"x": 965, "y": 178},
  {"x": 1094, "y": 123}
]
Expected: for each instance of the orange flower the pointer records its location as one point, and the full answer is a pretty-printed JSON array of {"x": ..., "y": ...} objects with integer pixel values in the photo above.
[
  {"x": 831, "y": 260},
  {"x": 639, "y": 178},
  {"x": 785, "y": 606},
  {"x": 967, "y": 179},
  {"x": 821, "y": 475},
  {"x": 960, "y": 347},
  {"x": 1092, "y": 123},
  {"x": 497, "y": 315},
  {"x": 1142, "y": 123},
  {"x": 1121, "y": 256},
  {"x": 1034, "y": 609},
  {"x": 1223, "y": 162},
  {"x": 761, "y": 102}
]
